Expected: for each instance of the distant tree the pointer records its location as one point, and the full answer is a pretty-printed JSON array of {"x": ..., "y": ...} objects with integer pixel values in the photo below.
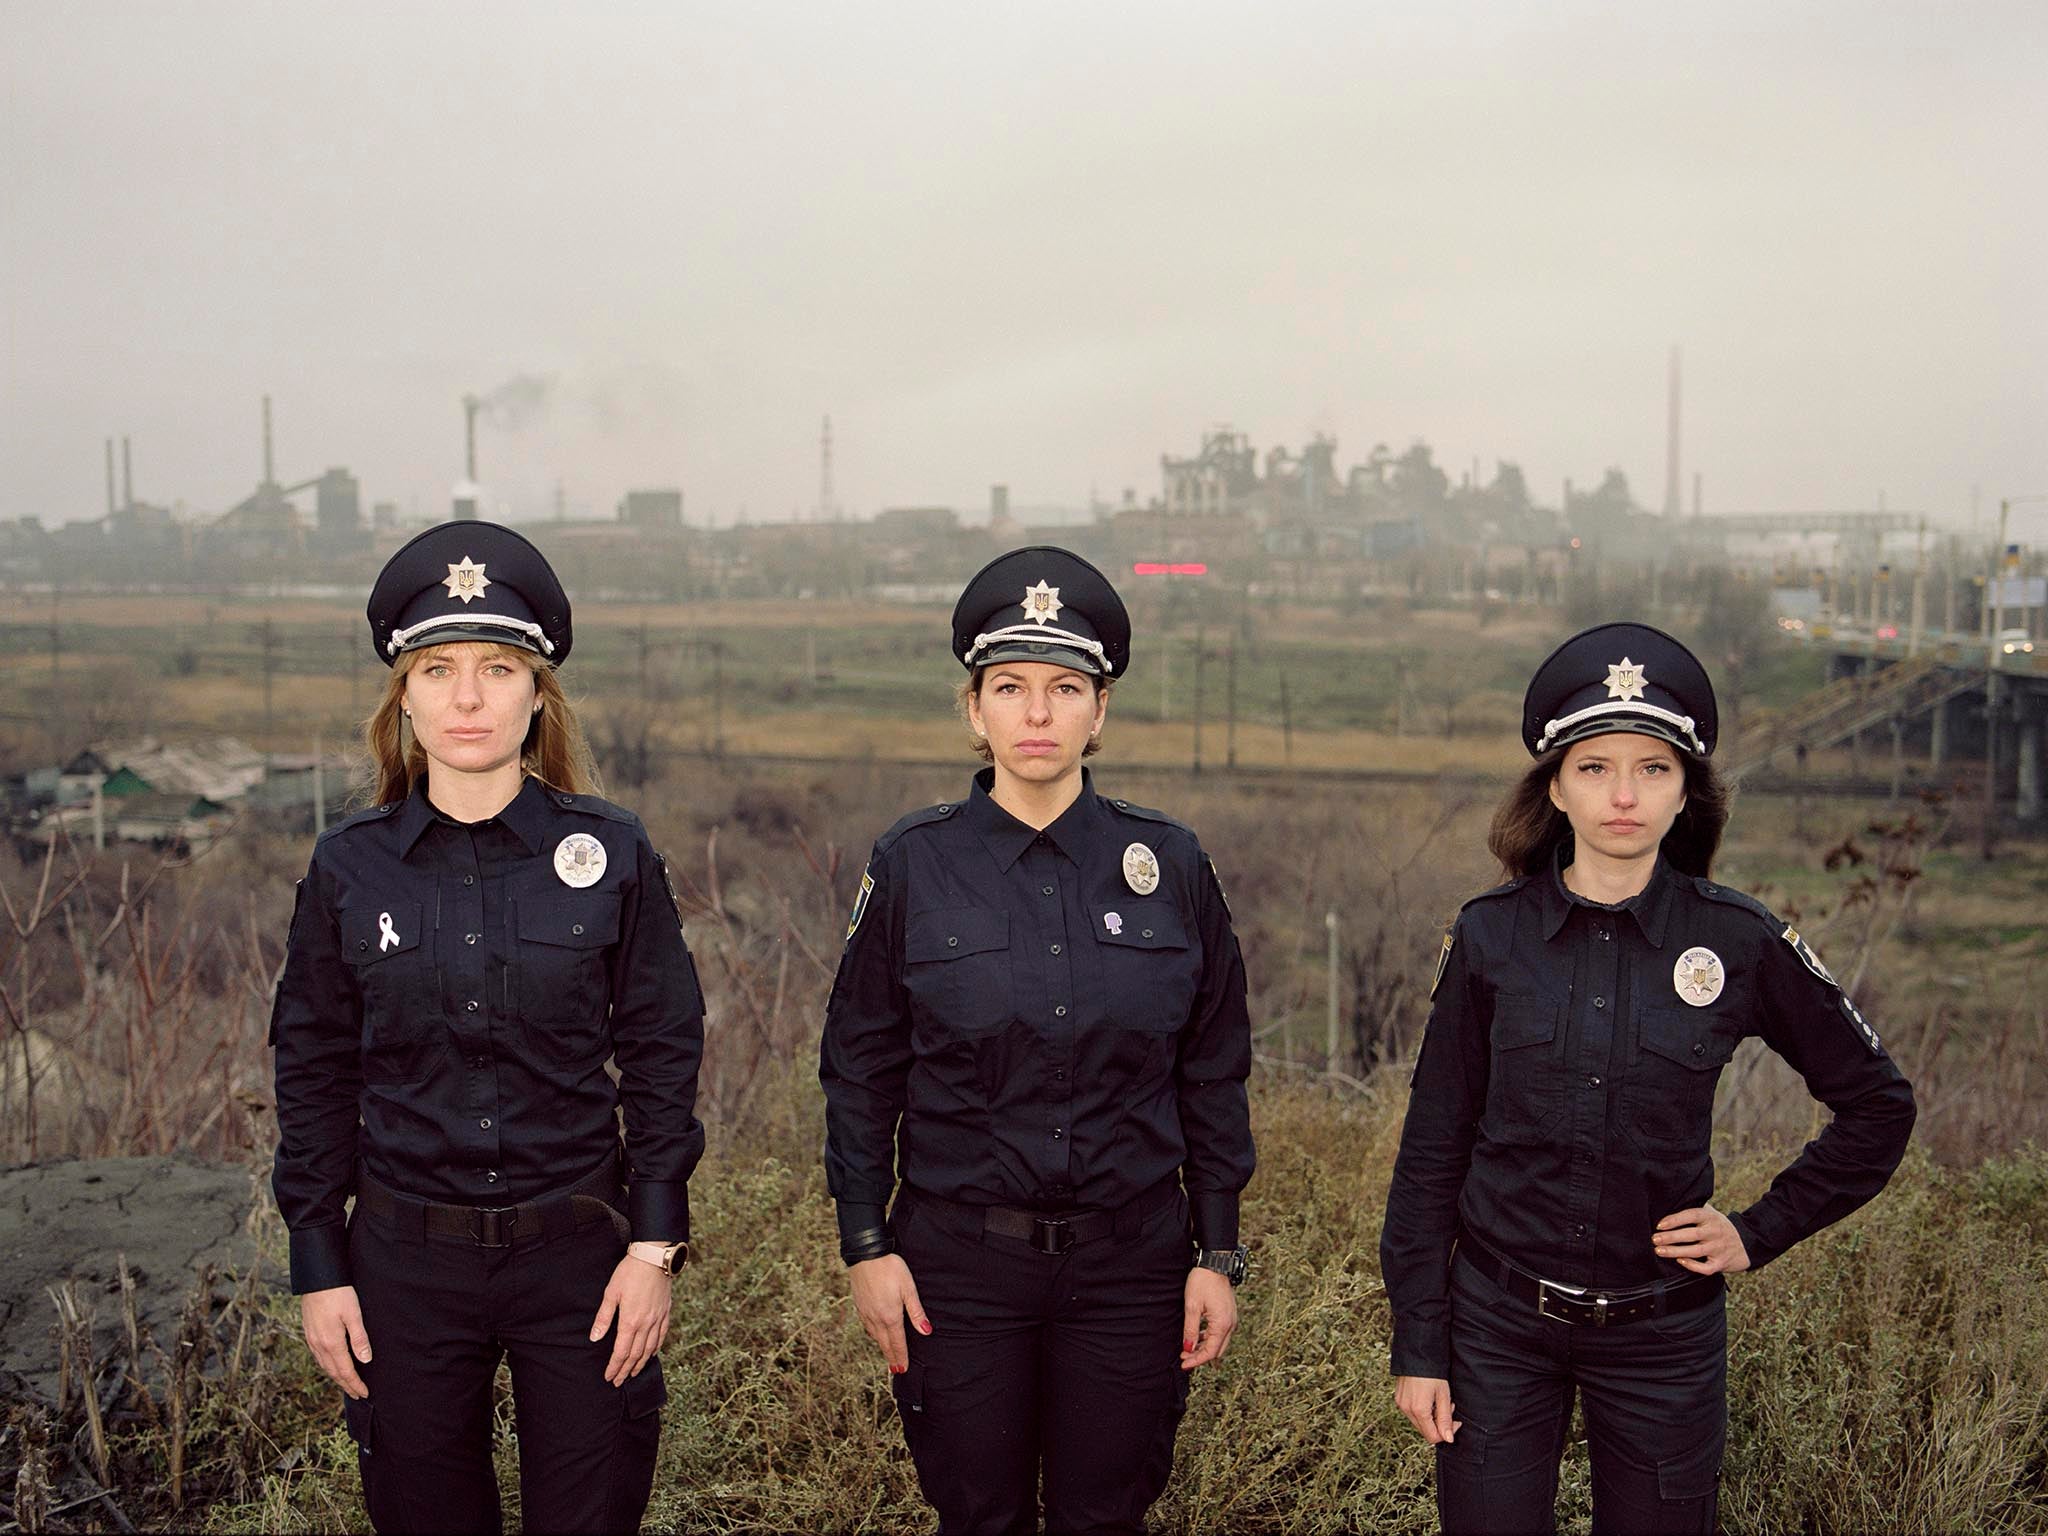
[{"x": 1734, "y": 631}]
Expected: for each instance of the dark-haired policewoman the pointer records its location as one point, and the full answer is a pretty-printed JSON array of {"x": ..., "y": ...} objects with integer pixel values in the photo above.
[
  {"x": 1036, "y": 1047},
  {"x": 1550, "y": 1229},
  {"x": 466, "y": 957}
]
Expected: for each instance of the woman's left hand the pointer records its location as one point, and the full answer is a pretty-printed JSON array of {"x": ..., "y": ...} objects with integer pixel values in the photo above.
[
  {"x": 1701, "y": 1239},
  {"x": 1209, "y": 1317},
  {"x": 639, "y": 1296}
]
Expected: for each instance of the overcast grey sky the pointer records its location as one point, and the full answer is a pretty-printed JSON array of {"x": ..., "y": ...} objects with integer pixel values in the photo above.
[{"x": 1036, "y": 244}]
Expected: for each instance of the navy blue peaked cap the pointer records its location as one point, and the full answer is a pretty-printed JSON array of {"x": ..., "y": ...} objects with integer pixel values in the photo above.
[
  {"x": 1042, "y": 603},
  {"x": 468, "y": 580},
  {"x": 1620, "y": 677}
]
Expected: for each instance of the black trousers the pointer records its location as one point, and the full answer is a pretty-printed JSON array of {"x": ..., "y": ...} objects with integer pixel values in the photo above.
[
  {"x": 1042, "y": 1370},
  {"x": 441, "y": 1312},
  {"x": 1656, "y": 1400}
]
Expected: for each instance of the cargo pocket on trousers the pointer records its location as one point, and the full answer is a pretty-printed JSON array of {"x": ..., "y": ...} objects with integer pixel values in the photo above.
[
  {"x": 1696, "y": 1474},
  {"x": 632, "y": 1481},
  {"x": 359, "y": 1414}
]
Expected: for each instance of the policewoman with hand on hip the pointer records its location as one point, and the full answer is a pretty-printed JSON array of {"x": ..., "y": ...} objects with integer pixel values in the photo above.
[
  {"x": 1039, "y": 1021},
  {"x": 465, "y": 959},
  {"x": 1550, "y": 1228}
]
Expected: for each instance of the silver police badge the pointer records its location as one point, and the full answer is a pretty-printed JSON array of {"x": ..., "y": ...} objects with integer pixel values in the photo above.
[
  {"x": 1625, "y": 680},
  {"x": 1141, "y": 869},
  {"x": 1698, "y": 976},
  {"x": 466, "y": 582},
  {"x": 1042, "y": 603},
  {"x": 579, "y": 860}
]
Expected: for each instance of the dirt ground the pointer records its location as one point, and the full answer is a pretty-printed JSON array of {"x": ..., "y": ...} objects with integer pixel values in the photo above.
[{"x": 75, "y": 1219}]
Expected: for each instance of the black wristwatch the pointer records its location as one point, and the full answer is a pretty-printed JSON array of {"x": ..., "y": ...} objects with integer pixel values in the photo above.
[{"x": 1230, "y": 1263}]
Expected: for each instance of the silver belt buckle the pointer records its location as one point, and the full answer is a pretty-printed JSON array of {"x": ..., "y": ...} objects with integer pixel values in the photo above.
[{"x": 1545, "y": 1289}]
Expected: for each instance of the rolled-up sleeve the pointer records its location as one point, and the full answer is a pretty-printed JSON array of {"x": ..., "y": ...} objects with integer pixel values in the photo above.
[
  {"x": 658, "y": 1045},
  {"x": 316, "y": 1034}
]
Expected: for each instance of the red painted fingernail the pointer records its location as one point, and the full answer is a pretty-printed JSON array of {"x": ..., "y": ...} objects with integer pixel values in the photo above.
[
  {"x": 898, "y": 1370},
  {"x": 1187, "y": 1346},
  {"x": 925, "y": 1327}
]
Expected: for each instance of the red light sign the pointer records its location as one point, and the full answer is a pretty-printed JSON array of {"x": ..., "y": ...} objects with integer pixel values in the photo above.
[{"x": 1163, "y": 568}]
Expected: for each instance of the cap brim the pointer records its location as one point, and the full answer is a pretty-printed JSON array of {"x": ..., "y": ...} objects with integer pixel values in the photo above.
[
  {"x": 512, "y": 640},
  {"x": 1634, "y": 725},
  {"x": 1049, "y": 655}
]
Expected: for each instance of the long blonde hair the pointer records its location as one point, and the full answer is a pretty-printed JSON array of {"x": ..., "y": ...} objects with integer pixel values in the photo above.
[{"x": 555, "y": 751}]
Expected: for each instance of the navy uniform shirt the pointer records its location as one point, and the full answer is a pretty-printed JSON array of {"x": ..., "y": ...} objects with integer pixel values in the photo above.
[
  {"x": 1013, "y": 1024},
  {"x": 1563, "y": 1099},
  {"x": 448, "y": 1005}
]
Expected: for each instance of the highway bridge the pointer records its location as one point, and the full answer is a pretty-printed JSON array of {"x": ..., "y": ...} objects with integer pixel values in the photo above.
[{"x": 1923, "y": 695}]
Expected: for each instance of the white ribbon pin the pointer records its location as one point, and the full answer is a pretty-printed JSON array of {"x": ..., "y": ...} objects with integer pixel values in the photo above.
[{"x": 388, "y": 935}]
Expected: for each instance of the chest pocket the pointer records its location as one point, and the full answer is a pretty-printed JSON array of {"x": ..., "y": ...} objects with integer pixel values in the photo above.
[
  {"x": 1668, "y": 1104},
  {"x": 395, "y": 975},
  {"x": 1149, "y": 969},
  {"x": 956, "y": 968},
  {"x": 1525, "y": 1077},
  {"x": 563, "y": 987}
]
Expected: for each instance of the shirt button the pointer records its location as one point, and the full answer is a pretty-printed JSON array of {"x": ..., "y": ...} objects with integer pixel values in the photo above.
[
  {"x": 469, "y": 879},
  {"x": 1046, "y": 889},
  {"x": 485, "y": 1123},
  {"x": 1592, "y": 1082},
  {"x": 1059, "y": 1076},
  {"x": 477, "y": 1061},
  {"x": 576, "y": 928},
  {"x": 470, "y": 1006},
  {"x": 1058, "y": 1134},
  {"x": 952, "y": 941},
  {"x": 491, "y": 1176},
  {"x": 1699, "y": 1050},
  {"x": 1605, "y": 935},
  {"x": 470, "y": 938},
  {"x": 1055, "y": 949},
  {"x": 362, "y": 943},
  {"x": 1060, "y": 1012},
  {"x": 1599, "y": 1002},
  {"x": 1145, "y": 933},
  {"x": 1578, "y": 1231}
]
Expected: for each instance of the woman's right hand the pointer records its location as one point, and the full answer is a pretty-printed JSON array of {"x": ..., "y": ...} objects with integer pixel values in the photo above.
[
  {"x": 884, "y": 1294},
  {"x": 333, "y": 1322},
  {"x": 1426, "y": 1400}
]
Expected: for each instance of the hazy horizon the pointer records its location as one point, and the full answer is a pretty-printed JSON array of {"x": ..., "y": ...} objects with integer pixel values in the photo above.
[{"x": 1036, "y": 246}]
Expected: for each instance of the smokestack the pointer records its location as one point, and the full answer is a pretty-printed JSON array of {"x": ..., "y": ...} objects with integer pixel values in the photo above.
[
  {"x": 110, "y": 477},
  {"x": 127, "y": 478},
  {"x": 469, "y": 405},
  {"x": 268, "y": 477},
  {"x": 1672, "y": 506},
  {"x": 1698, "y": 502}
]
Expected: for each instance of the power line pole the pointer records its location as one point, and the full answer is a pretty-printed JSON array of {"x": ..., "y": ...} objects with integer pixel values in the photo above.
[{"x": 1994, "y": 613}]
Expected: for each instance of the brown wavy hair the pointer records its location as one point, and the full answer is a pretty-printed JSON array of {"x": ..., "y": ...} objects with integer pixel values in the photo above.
[
  {"x": 970, "y": 688},
  {"x": 1528, "y": 830},
  {"x": 555, "y": 751}
]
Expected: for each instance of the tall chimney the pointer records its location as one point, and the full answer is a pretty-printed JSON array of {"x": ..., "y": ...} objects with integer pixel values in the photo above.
[
  {"x": 269, "y": 478},
  {"x": 1673, "y": 507},
  {"x": 110, "y": 477},
  {"x": 469, "y": 405},
  {"x": 127, "y": 478}
]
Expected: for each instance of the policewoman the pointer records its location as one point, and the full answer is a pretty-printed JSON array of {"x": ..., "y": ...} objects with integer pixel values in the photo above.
[
  {"x": 465, "y": 958},
  {"x": 1037, "y": 1047},
  {"x": 1550, "y": 1227}
]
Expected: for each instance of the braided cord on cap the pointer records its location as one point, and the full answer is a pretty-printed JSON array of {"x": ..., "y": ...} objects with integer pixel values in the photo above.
[
  {"x": 400, "y": 638},
  {"x": 1685, "y": 723},
  {"x": 1041, "y": 634}
]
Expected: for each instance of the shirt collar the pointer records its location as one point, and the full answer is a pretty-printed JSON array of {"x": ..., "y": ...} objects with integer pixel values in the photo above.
[
  {"x": 1006, "y": 837},
  {"x": 526, "y": 817},
  {"x": 1650, "y": 907}
]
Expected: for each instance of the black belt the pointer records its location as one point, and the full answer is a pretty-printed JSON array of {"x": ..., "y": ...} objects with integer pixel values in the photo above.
[
  {"x": 1581, "y": 1306},
  {"x": 592, "y": 1199},
  {"x": 1053, "y": 1232}
]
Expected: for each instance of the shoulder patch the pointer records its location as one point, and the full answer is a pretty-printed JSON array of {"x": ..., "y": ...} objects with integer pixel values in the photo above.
[
  {"x": 668, "y": 884},
  {"x": 931, "y": 815},
  {"x": 1713, "y": 890},
  {"x": 860, "y": 902},
  {"x": 1808, "y": 958},
  {"x": 1443, "y": 958}
]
